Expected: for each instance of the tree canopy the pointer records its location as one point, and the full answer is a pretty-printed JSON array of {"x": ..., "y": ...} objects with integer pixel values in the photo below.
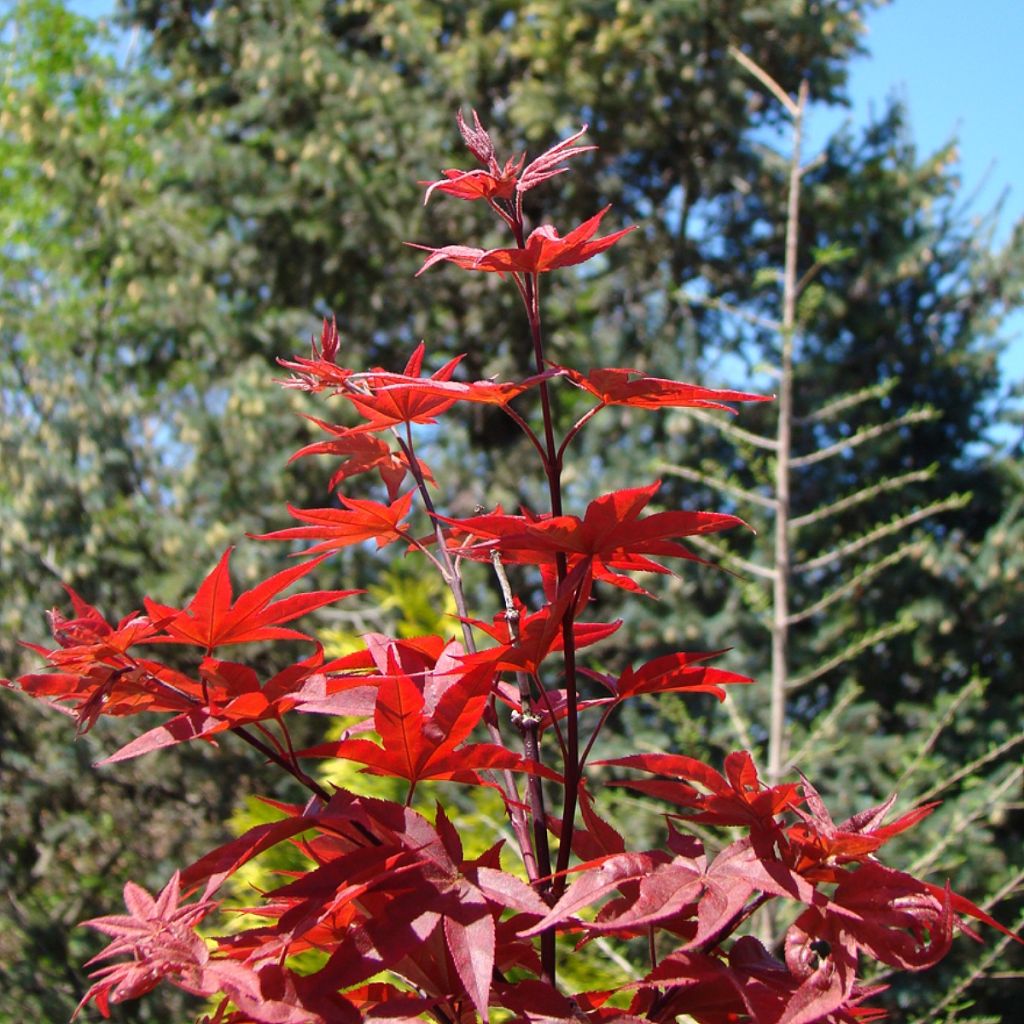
[{"x": 174, "y": 221}]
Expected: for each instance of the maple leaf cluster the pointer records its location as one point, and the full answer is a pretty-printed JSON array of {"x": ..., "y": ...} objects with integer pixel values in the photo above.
[{"x": 387, "y": 918}]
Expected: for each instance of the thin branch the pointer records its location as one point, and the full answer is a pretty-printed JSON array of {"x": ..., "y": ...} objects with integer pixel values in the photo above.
[
  {"x": 823, "y": 726},
  {"x": 864, "y": 494},
  {"x": 696, "y": 476},
  {"x": 866, "y": 434},
  {"x": 723, "y": 554},
  {"x": 740, "y": 725},
  {"x": 855, "y": 581},
  {"x": 731, "y": 430},
  {"x": 449, "y": 573},
  {"x": 960, "y": 825},
  {"x": 850, "y": 401},
  {"x": 970, "y": 769},
  {"x": 793, "y": 109},
  {"x": 814, "y": 162},
  {"x": 954, "y": 501},
  {"x": 754, "y": 319},
  {"x": 973, "y": 687},
  {"x": 540, "y": 865},
  {"x": 851, "y": 651}
]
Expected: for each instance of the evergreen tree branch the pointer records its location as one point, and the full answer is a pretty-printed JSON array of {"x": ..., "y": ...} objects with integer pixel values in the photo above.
[
  {"x": 954, "y": 501},
  {"x": 724, "y": 555},
  {"x": 696, "y": 476},
  {"x": 969, "y": 769},
  {"x": 711, "y": 302},
  {"x": 865, "y": 434},
  {"x": 864, "y": 494},
  {"x": 855, "y": 581},
  {"x": 851, "y": 651},
  {"x": 974, "y": 687},
  {"x": 740, "y": 724},
  {"x": 823, "y": 727},
  {"x": 850, "y": 401},
  {"x": 793, "y": 108},
  {"x": 731, "y": 430}
]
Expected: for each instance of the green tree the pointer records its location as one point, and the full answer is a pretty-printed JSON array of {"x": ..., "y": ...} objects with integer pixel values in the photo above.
[{"x": 853, "y": 484}]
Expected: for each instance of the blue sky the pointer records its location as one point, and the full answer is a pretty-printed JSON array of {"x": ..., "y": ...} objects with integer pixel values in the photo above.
[{"x": 958, "y": 66}]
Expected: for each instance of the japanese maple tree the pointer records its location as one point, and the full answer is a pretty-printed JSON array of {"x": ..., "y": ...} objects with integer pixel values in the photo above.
[{"x": 388, "y": 918}]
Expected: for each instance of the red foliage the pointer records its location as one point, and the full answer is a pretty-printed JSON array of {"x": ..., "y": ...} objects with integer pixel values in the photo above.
[
  {"x": 544, "y": 250},
  {"x": 405, "y": 925}
]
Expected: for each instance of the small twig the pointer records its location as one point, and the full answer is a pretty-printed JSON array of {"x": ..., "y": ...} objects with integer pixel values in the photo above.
[
  {"x": 697, "y": 477},
  {"x": 954, "y": 501}
]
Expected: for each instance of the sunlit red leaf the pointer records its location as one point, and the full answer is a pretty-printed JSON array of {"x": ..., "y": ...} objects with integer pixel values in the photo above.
[
  {"x": 212, "y": 619},
  {"x": 612, "y": 535},
  {"x": 672, "y": 673},
  {"x": 321, "y": 370},
  {"x": 361, "y": 454},
  {"x": 738, "y": 798},
  {"x": 494, "y": 181},
  {"x": 359, "y": 520},
  {"x": 622, "y": 386},
  {"x": 385, "y": 400},
  {"x": 545, "y": 250},
  {"x": 819, "y": 840}
]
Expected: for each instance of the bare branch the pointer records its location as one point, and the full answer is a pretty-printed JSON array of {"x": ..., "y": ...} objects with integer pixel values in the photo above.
[
  {"x": 973, "y": 687},
  {"x": 792, "y": 108},
  {"x": 866, "y": 434},
  {"x": 754, "y": 319},
  {"x": 814, "y": 162},
  {"x": 845, "y": 402},
  {"x": 894, "y": 629},
  {"x": 698, "y": 477},
  {"x": 860, "y": 578},
  {"x": 825, "y": 726},
  {"x": 730, "y": 430},
  {"x": 954, "y": 501},
  {"x": 864, "y": 494},
  {"x": 724, "y": 555}
]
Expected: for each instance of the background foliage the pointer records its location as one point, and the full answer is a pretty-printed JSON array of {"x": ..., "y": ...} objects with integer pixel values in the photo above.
[{"x": 183, "y": 199}]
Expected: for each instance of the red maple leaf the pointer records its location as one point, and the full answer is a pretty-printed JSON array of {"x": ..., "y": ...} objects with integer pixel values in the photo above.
[
  {"x": 536, "y": 634},
  {"x": 476, "y": 184},
  {"x": 88, "y": 639},
  {"x": 672, "y": 673},
  {"x": 818, "y": 841},
  {"x": 159, "y": 934},
  {"x": 321, "y": 370},
  {"x": 360, "y": 519},
  {"x": 545, "y": 250},
  {"x": 497, "y": 181},
  {"x": 362, "y": 453},
  {"x": 888, "y": 914},
  {"x": 212, "y": 619},
  {"x": 484, "y": 392},
  {"x": 620, "y": 386},
  {"x": 95, "y": 673},
  {"x": 737, "y": 798},
  {"x": 231, "y": 696},
  {"x": 420, "y": 743},
  {"x": 384, "y": 399},
  {"x": 612, "y": 535}
]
